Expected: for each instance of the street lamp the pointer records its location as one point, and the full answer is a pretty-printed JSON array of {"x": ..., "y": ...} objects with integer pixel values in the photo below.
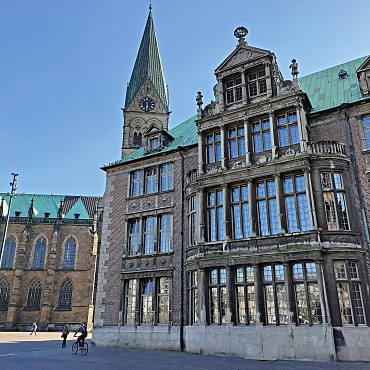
[{"x": 11, "y": 195}]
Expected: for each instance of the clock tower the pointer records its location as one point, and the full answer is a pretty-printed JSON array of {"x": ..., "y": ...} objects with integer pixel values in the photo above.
[{"x": 146, "y": 103}]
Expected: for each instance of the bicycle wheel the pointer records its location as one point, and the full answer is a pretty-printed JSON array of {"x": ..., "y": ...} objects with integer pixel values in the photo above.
[
  {"x": 85, "y": 349},
  {"x": 74, "y": 348}
]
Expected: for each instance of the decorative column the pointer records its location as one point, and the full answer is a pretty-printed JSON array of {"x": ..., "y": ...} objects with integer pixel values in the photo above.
[
  {"x": 223, "y": 146},
  {"x": 289, "y": 289},
  {"x": 141, "y": 244},
  {"x": 252, "y": 207},
  {"x": 201, "y": 291},
  {"x": 302, "y": 123},
  {"x": 280, "y": 204},
  {"x": 268, "y": 79},
  {"x": 230, "y": 295},
  {"x": 274, "y": 135},
  {"x": 248, "y": 143},
  {"x": 244, "y": 88},
  {"x": 310, "y": 200},
  {"x": 201, "y": 148},
  {"x": 259, "y": 294},
  {"x": 322, "y": 292}
]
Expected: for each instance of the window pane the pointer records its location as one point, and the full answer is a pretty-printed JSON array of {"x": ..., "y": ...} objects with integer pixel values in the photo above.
[
  {"x": 4, "y": 293},
  {"x": 313, "y": 291},
  {"x": 344, "y": 303},
  {"x": 240, "y": 302},
  {"x": 213, "y": 305},
  {"x": 263, "y": 218},
  {"x": 279, "y": 272},
  {"x": 294, "y": 134},
  {"x": 274, "y": 218},
  {"x": 358, "y": 306},
  {"x": 267, "y": 140},
  {"x": 298, "y": 271},
  {"x": 69, "y": 254},
  {"x": 241, "y": 147},
  {"x": 246, "y": 220},
  {"x": 233, "y": 153},
  {"x": 270, "y": 304},
  {"x": 282, "y": 304},
  {"x": 65, "y": 295},
  {"x": 283, "y": 136},
  {"x": 257, "y": 143},
  {"x": 338, "y": 181},
  {"x": 303, "y": 212},
  {"x": 237, "y": 222},
  {"x": 288, "y": 185},
  {"x": 291, "y": 213},
  {"x": 301, "y": 302},
  {"x": 300, "y": 183},
  {"x": 8, "y": 253}
]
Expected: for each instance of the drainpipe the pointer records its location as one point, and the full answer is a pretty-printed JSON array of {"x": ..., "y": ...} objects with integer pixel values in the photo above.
[
  {"x": 344, "y": 107},
  {"x": 180, "y": 148}
]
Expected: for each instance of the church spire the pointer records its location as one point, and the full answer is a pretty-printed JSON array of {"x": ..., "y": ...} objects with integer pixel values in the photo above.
[{"x": 148, "y": 64}]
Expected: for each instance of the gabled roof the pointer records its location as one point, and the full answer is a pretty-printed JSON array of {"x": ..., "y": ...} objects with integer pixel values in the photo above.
[
  {"x": 148, "y": 65},
  {"x": 326, "y": 90}
]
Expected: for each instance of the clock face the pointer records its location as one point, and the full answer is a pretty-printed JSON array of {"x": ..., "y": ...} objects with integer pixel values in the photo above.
[{"x": 146, "y": 104}]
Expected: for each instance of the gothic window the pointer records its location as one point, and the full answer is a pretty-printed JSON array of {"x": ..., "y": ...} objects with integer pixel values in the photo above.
[
  {"x": 366, "y": 124},
  {"x": 261, "y": 135},
  {"x": 146, "y": 301},
  {"x": 4, "y": 294},
  {"x": 215, "y": 212},
  {"x": 69, "y": 254},
  {"x": 163, "y": 299},
  {"x": 166, "y": 177},
  {"x": 334, "y": 201},
  {"x": 233, "y": 89},
  {"x": 217, "y": 296},
  {"x": 257, "y": 83},
  {"x": 349, "y": 292},
  {"x": 8, "y": 253},
  {"x": 275, "y": 295},
  {"x": 39, "y": 254},
  {"x": 240, "y": 212},
  {"x": 307, "y": 295},
  {"x": 192, "y": 220},
  {"x": 165, "y": 233},
  {"x": 34, "y": 295},
  {"x": 193, "y": 300},
  {"x": 245, "y": 296},
  {"x": 149, "y": 235},
  {"x": 130, "y": 301},
  {"x": 150, "y": 181},
  {"x": 137, "y": 139},
  {"x": 288, "y": 129},
  {"x": 137, "y": 183},
  {"x": 296, "y": 204},
  {"x": 133, "y": 239},
  {"x": 236, "y": 142},
  {"x": 267, "y": 208},
  {"x": 213, "y": 147},
  {"x": 65, "y": 295}
]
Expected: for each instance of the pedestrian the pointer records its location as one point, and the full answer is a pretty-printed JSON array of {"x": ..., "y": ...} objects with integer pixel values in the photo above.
[
  {"x": 34, "y": 328},
  {"x": 65, "y": 333}
]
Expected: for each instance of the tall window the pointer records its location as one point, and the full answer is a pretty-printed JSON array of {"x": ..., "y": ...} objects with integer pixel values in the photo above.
[
  {"x": 130, "y": 301},
  {"x": 213, "y": 147},
  {"x": 137, "y": 139},
  {"x": 245, "y": 296},
  {"x": 153, "y": 144},
  {"x": 275, "y": 295},
  {"x": 217, "y": 296},
  {"x": 366, "y": 123},
  {"x": 267, "y": 208},
  {"x": 8, "y": 253},
  {"x": 149, "y": 235},
  {"x": 296, "y": 204},
  {"x": 4, "y": 294},
  {"x": 236, "y": 142},
  {"x": 163, "y": 298},
  {"x": 193, "y": 299},
  {"x": 69, "y": 254},
  {"x": 133, "y": 239},
  {"x": 349, "y": 292},
  {"x": 288, "y": 129},
  {"x": 261, "y": 135},
  {"x": 233, "y": 89},
  {"x": 166, "y": 177},
  {"x": 34, "y": 295},
  {"x": 335, "y": 201},
  {"x": 137, "y": 183},
  {"x": 192, "y": 220},
  {"x": 240, "y": 212},
  {"x": 165, "y": 233},
  {"x": 215, "y": 215},
  {"x": 257, "y": 83},
  {"x": 307, "y": 295},
  {"x": 39, "y": 254},
  {"x": 65, "y": 295},
  {"x": 150, "y": 181},
  {"x": 146, "y": 300}
]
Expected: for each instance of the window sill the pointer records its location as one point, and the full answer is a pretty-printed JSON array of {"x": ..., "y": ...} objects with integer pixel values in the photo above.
[
  {"x": 31, "y": 309},
  {"x": 148, "y": 195},
  {"x": 62, "y": 309}
]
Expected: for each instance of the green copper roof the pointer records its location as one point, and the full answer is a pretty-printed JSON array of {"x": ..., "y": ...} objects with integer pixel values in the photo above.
[
  {"x": 78, "y": 208},
  {"x": 148, "y": 64},
  {"x": 326, "y": 90}
]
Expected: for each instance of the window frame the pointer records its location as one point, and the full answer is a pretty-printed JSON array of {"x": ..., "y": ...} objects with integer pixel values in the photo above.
[
  {"x": 192, "y": 220},
  {"x": 193, "y": 297},
  {"x": 213, "y": 147},
  {"x": 215, "y": 216},
  {"x": 258, "y": 129},
  {"x": 233, "y": 89},
  {"x": 65, "y": 295},
  {"x": 236, "y": 141},
  {"x": 39, "y": 254},
  {"x": 217, "y": 296},
  {"x": 285, "y": 124},
  {"x": 136, "y": 183},
  {"x": 238, "y": 200},
  {"x": 5, "y": 290},
  {"x": 245, "y": 294},
  {"x": 34, "y": 295},
  {"x": 257, "y": 86},
  {"x": 8, "y": 257}
]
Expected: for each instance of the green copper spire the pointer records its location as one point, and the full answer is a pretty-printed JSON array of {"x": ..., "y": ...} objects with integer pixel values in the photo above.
[{"x": 148, "y": 64}]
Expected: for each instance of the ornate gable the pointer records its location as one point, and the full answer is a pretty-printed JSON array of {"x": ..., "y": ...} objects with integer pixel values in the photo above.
[{"x": 363, "y": 75}]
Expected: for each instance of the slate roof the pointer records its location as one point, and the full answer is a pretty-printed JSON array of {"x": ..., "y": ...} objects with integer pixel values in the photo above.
[
  {"x": 148, "y": 64},
  {"x": 50, "y": 204}
]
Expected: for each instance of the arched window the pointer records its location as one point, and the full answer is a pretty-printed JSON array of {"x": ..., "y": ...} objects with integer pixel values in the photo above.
[
  {"x": 69, "y": 254},
  {"x": 4, "y": 294},
  {"x": 137, "y": 139},
  {"x": 39, "y": 255},
  {"x": 8, "y": 253},
  {"x": 34, "y": 295},
  {"x": 65, "y": 295}
]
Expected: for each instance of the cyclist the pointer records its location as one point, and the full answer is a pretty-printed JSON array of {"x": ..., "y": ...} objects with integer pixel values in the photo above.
[{"x": 81, "y": 338}]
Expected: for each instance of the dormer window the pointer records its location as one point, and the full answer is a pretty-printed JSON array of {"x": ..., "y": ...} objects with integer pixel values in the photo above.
[
  {"x": 153, "y": 144},
  {"x": 342, "y": 75},
  {"x": 17, "y": 213},
  {"x": 257, "y": 83},
  {"x": 47, "y": 215},
  {"x": 77, "y": 216},
  {"x": 233, "y": 89}
]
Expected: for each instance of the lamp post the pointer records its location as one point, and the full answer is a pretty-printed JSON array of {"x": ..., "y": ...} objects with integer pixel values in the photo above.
[{"x": 11, "y": 195}]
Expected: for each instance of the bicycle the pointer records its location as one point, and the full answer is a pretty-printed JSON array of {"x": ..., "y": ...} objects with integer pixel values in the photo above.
[{"x": 84, "y": 348}]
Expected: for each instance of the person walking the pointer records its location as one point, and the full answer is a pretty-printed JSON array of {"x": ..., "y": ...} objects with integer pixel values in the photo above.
[
  {"x": 34, "y": 328},
  {"x": 65, "y": 333}
]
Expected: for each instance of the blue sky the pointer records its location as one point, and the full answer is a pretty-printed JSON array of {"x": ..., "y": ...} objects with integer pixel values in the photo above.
[{"x": 65, "y": 65}]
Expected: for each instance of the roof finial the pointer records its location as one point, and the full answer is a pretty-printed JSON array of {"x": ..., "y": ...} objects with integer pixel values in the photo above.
[
  {"x": 240, "y": 33},
  {"x": 150, "y": 6}
]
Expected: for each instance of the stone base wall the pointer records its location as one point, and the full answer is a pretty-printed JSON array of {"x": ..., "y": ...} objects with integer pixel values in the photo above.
[{"x": 288, "y": 342}]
